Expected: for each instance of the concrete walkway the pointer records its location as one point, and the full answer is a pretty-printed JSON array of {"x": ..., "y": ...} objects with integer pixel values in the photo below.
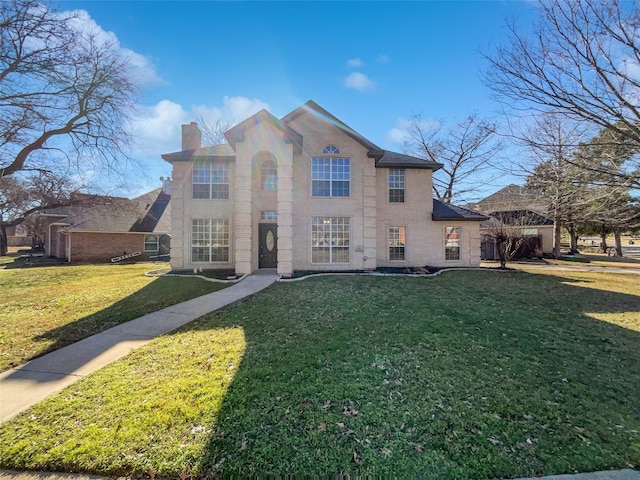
[{"x": 23, "y": 386}]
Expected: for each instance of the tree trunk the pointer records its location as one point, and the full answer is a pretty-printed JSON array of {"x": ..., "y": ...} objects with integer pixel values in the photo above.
[
  {"x": 556, "y": 237},
  {"x": 603, "y": 240},
  {"x": 574, "y": 239},
  {"x": 4, "y": 241},
  {"x": 616, "y": 234}
]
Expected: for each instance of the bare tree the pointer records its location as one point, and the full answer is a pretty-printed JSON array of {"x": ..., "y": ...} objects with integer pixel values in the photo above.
[
  {"x": 552, "y": 143},
  {"x": 23, "y": 195},
  {"x": 508, "y": 229},
  {"x": 466, "y": 150},
  {"x": 581, "y": 61},
  {"x": 213, "y": 132},
  {"x": 65, "y": 93}
]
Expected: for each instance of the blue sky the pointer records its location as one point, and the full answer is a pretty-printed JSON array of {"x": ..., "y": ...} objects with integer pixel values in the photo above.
[{"x": 372, "y": 64}]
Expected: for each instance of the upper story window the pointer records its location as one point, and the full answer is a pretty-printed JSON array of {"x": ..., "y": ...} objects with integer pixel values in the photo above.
[
  {"x": 211, "y": 180},
  {"x": 330, "y": 150},
  {"x": 396, "y": 185},
  {"x": 269, "y": 175},
  {"x": 330, "y": 176}
]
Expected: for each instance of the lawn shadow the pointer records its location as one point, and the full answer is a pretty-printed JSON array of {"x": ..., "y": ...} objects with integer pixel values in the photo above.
[
  {"x": 466, "y": 375},
  {"x": 157, "y": 295}
]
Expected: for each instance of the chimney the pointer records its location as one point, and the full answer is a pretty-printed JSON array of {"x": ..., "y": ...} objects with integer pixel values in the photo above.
[{"x": 191, "y": 136}]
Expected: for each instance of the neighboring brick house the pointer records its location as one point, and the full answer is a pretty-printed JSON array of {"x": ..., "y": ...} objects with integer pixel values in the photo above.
[
  {"x": 516, "y": 206},
  {"x": 97, "y": 228},
  {"x": 307, "y": 192}
]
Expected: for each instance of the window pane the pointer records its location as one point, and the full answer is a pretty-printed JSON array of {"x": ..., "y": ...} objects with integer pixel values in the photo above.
[
  {"x": 269, "y": 176},
  {"x": 396, "y": 185},
  {"x": 330, "y": 177},
  {"x": 396, "y": 243},
  {"x": 321, "y": 188},
  {"x": 269, "y": 216},
  {"x": 452, "y": 243},
  {"x": 210, "y": 240},
  {"x": 330, "y": 240}
]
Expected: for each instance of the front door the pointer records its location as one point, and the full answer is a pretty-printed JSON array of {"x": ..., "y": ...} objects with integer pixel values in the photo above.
[{"x": 268, "y": 245}]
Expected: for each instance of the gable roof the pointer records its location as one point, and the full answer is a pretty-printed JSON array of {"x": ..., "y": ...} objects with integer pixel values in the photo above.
[
  {"x": 445, "y": 211},
  {"x": 145, "y": 214},
  {"x": 236, "y": 134},
  {"x": 400, "y": 160},
  {"x": 312, "y": 108},
  {"x": 222, "y": 152}
]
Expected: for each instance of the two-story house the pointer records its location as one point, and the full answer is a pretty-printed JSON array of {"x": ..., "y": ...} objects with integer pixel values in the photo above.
[{"x": 307, "y": 192}]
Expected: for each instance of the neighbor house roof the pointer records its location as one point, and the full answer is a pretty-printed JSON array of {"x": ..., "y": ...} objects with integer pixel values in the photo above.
[
  {"x": 445, "y": 211},
  {"x": 145, "y": 214},
  {"x": 519, "y": 218},
  {"x": 512, "y": 197}
]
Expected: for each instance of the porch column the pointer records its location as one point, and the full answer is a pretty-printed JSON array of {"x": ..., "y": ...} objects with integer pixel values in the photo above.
[
  {"x": 285, "y": 212},
  {"x": 242, "y": 237}
]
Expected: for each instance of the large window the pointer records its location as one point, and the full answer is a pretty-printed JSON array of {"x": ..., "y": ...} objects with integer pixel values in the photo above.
[
  {"x": 452, "y": 243},
  {"x": 209, "y": 240},
  {"x": 269, "y": 175},
  {"x": 396, "y": 185},
  {"x": 150, "y": 243},
  {"x": 330, "y": 240},
  {"x": 396, "y": 243},
  {"x": 211, "y": 180},
  {"x": 330, "y": 176}
]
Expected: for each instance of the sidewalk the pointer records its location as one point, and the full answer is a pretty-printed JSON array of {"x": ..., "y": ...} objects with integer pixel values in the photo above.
[{"x": 23, "y": 386}]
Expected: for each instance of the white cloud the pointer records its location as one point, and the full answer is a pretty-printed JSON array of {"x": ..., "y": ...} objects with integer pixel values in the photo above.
[
  {"x": 359, "y": 81},
  {"x": 157, "y": 128},
  {"x": 355, "y": 63},
  {"x": 399, "y": 134},
  {"x": 383, "y": 59}
]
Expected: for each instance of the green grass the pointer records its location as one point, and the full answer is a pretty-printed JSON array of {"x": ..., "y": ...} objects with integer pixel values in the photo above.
[
  {"x": 465, "y": 375},
  {"x": 46, "y": 308}
]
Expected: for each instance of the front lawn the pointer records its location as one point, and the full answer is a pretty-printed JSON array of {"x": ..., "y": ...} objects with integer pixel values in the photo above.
[
  {"x": 465, "y": 375},
  {"x": 45, "y": 308}
]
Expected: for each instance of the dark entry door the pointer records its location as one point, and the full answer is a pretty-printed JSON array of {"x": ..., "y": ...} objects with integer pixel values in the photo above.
[{"x": 268, "y": 245}]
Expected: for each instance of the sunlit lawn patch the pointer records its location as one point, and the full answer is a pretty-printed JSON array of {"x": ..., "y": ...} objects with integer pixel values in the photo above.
[
  {"x": 465, "y": 375},
  {"x": 46, "y": 308}
]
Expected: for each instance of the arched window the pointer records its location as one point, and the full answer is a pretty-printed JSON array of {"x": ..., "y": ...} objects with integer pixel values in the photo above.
[
  {"x": 330, "y": 150},
  {"x": 269, "y": 175}
]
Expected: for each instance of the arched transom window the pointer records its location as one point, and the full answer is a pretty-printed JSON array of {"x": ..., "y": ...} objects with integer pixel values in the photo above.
[{"x": 330, "y": 150}]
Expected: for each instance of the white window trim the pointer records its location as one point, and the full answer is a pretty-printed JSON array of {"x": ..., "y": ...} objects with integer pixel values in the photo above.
[
  {"x": 331, "y": 246},
  {"x": 157, "y": 242},
  {"x": 404, "y": 188},
  {"x": 223, "y": 262},
  {"x": 459, "y": 259},
  {"x": 404, "y": 260},
  {"x": 331, "y": 157}
]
